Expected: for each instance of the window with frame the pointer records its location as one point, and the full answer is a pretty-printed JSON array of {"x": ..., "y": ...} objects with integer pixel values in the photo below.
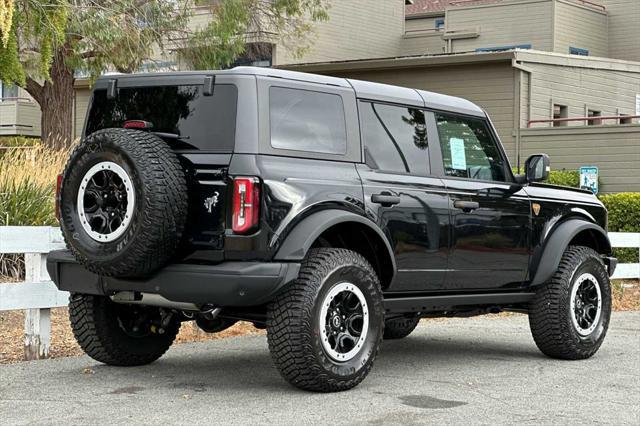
[
  {"x": 469, "y": 150},
  {"x": 305, "y": 120},
  {"x": 395, "y": 138}
]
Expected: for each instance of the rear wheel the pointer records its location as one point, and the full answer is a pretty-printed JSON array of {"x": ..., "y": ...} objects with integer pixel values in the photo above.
[
  {"x": 569, "y": 315},
  {"x": 325, "y": 329},
  {"x": 122, "y": 335},
  {"x": 398, "y": 328}
]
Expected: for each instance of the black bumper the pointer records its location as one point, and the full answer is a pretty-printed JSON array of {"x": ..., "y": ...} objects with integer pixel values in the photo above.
[{"x": 225, "y": 284}]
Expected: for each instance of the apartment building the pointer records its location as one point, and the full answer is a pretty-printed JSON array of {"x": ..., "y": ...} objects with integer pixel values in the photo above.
[{"x": 522, "y": 60}]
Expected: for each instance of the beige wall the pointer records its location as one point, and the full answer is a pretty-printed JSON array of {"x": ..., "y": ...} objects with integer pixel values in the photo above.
[
  {"x": 624, "y": 29},
  {"x": 503, "y": 24},
  {"x": 421, "y": 38},
  {"x": 21, "y": 117},
  {"x": 356, "y": 29},
  {"x": 489, "y": 85},
  {"x": 615, "y": 150},
  {"x": 578, "y": 26},
  {"x": 81, "y": 103},
  {"x": 580, "y": 88}
]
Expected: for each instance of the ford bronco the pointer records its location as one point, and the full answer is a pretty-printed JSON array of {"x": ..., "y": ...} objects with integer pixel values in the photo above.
[{"x": 335, "y": 213}]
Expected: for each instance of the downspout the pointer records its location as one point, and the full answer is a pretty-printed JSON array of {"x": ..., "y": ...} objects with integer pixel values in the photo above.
[{"x": 517, "y": 90}]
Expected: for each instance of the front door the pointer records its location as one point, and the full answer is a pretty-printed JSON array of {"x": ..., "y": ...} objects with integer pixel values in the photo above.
[
  {"x": 408, "y": 204},
  {"x": 490, "y": 214}
]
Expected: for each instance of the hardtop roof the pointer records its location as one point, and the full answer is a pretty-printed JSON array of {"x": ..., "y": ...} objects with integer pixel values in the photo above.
[{"x": 363, "y": 89}]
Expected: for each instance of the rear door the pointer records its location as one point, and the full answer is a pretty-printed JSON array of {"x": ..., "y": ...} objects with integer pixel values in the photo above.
[
  {"x": 490, "y": 214},
  {"x": 401, "y": 196}
]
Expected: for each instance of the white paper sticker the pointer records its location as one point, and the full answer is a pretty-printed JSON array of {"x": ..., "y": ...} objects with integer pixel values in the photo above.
[
  {"x": 638, "y": 104},
  {"x": 458, "y": 157}
]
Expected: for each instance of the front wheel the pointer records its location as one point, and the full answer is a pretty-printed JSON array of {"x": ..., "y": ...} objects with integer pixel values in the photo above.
[
  {"x": 569, "y": 315},
  {"x": 325, "y": 329}
]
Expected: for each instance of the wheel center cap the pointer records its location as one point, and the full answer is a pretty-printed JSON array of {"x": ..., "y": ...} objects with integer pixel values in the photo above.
[{"x": 336, "y": 322}]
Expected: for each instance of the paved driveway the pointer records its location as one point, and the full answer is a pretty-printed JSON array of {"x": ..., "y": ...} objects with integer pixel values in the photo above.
[{"x": 478, "y": 370}]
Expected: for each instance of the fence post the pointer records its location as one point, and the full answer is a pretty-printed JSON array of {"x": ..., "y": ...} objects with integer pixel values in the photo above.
[{"x": 37, "y": 322}]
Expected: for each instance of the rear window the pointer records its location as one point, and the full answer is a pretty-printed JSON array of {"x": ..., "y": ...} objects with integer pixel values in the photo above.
[
  {"x": 202, "y": 122},
  {"x": 304, "y": 120}
]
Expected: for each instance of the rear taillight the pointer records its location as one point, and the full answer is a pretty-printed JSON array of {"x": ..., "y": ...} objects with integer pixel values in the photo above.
[
  {"x": 58, "y": 186},
  {"x": 138, "y": 124},
  {"x": 246, "y": 204}
]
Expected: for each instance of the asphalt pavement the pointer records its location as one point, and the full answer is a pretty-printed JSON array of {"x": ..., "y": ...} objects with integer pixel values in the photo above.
[{"x": 456, "y": 371}]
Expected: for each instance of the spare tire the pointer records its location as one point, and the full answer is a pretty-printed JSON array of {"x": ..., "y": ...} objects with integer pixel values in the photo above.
[{"x": 123, "y": 203}]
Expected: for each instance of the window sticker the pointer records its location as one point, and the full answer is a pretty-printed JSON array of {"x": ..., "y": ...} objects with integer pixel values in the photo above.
[{"x": 458, "y": 158}]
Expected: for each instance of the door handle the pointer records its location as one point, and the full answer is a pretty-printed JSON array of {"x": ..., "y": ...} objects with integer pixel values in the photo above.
[
  {"x": 385, "y": 199},
  {"x": 466, "y": 206}
]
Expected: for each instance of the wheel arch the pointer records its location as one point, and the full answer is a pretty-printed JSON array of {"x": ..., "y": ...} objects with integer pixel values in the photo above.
[
  {"x": 570, "y": 232},
  {"x": 341, "y": 229}
]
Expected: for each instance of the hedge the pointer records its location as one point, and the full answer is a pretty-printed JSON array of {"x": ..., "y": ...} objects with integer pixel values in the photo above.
[{"x": 624, "y": 216}]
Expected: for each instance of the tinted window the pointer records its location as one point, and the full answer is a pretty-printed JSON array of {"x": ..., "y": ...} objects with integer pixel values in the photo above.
[
  {"x": 395, "y": 138},
  {"x": 202, "y": 122},
  {"x": 468, "y": 149},
  {"x": 303, "y": 120}
]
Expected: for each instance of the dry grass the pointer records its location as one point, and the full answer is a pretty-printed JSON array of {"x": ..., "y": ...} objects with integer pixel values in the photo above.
[{"x": 27, "y": 191}]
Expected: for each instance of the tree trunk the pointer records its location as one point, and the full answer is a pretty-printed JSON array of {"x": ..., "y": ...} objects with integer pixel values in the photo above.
[{"x": 56, "y": 103}]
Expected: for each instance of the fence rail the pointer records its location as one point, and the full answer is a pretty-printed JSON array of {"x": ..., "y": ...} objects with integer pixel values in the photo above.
[{"x": 37, "y": 295}]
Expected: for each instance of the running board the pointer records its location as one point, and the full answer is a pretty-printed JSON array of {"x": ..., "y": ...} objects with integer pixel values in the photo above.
[{"x": 452, "y": 302}]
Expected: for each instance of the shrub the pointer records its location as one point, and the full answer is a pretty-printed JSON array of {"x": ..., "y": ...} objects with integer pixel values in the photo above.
[
  {"x": 624, "y": 216},
  {"x": 13, "y": 141},
  {"x": 27, "y": 185},
  {"x": 561, "y": 177}
]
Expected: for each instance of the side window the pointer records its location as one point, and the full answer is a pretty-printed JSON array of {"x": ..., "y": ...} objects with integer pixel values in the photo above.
[
  {"x": 395, "y": 138},
  {"x": 468, "y": 149},
  {"x": 304, "y": 120}
]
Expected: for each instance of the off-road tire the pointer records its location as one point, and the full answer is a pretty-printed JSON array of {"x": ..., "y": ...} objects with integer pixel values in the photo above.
[
  {"x": 398, "y": 328},
  {"x": 550, "y": 311},
  {"x": 97, "y": 330},
  {"x": 293, "y": 331},
  {"x": 160, "y": 211}
]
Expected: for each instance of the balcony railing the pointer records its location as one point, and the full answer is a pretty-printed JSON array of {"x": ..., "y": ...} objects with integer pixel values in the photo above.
[
  {"x": 592, "y": 118},
  {"x": 19, "y": 116}
]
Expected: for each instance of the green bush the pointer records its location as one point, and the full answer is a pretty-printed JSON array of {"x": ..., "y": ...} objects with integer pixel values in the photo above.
[
  {"x": 26, "y": 202},
  {"x": 561, "y": 177},
  {"x": 624, "y": 216},
  {"x": 564, "y": 178},
  {"x": 13, "y": 141}
]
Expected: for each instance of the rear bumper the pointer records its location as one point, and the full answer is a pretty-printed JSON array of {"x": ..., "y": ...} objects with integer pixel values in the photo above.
[{"x": 225, "y": 284}]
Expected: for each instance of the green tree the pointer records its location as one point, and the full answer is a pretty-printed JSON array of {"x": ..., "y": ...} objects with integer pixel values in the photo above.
[{"x": 49, "y": 41}]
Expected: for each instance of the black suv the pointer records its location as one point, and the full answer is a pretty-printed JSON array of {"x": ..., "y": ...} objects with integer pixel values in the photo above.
[{"x": 334, "y": 213}]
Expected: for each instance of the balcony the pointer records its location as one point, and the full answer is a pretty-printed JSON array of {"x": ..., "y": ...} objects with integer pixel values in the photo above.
[{"x": 19, "y": 117}]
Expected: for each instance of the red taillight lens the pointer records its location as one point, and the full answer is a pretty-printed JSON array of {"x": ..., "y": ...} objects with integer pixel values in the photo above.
[
  {"x": 138, "y": 124},
  {"x": 58, "y": 186},
  {"x": 246, "y": 204}
]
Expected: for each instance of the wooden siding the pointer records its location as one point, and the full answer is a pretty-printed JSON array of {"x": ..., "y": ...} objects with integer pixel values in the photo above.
[
  {"x": 421, "y": 37},
  {"x": 615, "y": 150},
  {"x": 356, "y": 29},
  {"x": 579, "y": 26},
  {"x": 503, "y": 24},
  {"x": 19, "y": 118},
  {"x": 80, "y": 106},
  {"x": 488, "y": 85},
  {"x": 624, "y": 29},
  {"x": 581, "y": 88}
]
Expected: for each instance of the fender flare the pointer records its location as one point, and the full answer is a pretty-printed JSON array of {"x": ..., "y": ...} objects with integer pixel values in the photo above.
[
  {"x": 297, "y": 243},
  {"x": 558, "y": 242}
]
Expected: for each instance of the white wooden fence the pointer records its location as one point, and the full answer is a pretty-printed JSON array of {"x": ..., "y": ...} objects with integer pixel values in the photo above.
[{"x": 37, "y": 295}]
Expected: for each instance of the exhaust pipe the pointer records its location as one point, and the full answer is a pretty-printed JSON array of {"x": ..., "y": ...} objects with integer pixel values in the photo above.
[{"x": 150, "y": 299}]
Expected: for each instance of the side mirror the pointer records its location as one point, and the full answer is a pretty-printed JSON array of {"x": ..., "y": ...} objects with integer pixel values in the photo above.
[{"x": 537, "y": 168}]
